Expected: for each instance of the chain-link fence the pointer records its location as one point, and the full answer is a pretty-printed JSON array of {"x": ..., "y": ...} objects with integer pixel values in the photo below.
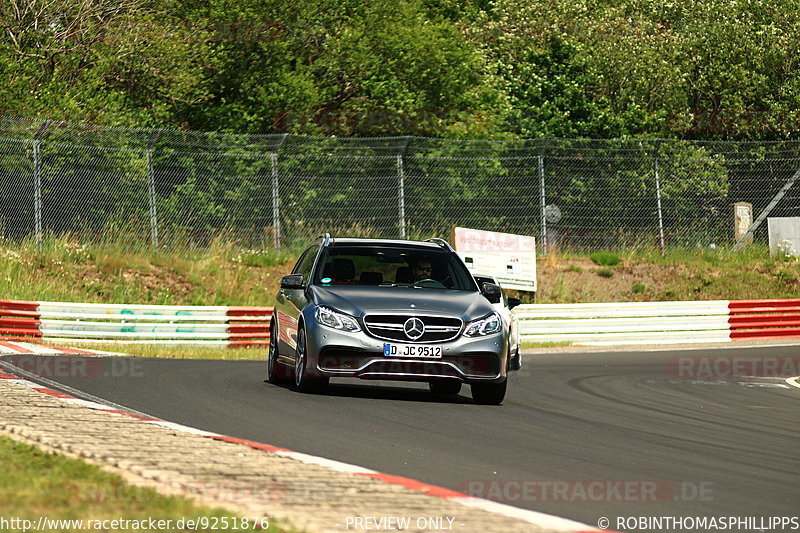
[{"x": 168, "y": 188}]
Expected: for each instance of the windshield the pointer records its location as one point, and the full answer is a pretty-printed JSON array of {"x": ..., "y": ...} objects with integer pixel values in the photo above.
[{"x": 388, "y": 266}]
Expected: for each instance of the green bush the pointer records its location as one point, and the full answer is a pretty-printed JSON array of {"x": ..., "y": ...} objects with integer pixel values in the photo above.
[{"x": 605, "y": 258}]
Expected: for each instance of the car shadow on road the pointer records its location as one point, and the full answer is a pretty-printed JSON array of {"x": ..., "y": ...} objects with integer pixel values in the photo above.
[{"x": 390, "y": 392}]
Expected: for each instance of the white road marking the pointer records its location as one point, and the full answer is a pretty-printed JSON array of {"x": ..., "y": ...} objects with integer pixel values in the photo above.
[{"x": 327, "y": 463}]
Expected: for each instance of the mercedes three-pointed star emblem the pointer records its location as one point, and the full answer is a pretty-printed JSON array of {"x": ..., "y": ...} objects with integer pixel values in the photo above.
[{"x": 414, "y": 328}]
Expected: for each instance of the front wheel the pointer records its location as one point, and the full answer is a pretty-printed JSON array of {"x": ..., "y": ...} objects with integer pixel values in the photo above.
[
  {"x": 276, "y": 372},
  {"x": 489, "y": 393},
  {"x": 515, "y": 361},
  {"x": 302, "y": 381}
]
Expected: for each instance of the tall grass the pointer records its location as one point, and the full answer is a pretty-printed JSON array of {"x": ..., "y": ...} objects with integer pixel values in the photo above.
[
  {"x": 65, "y": 270},
  {"x": 679, "y": 274},
  {"x": 223, "y": 273}
]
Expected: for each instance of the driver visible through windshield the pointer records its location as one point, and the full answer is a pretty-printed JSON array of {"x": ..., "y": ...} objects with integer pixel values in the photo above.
[{"x": 391, "y": 267}]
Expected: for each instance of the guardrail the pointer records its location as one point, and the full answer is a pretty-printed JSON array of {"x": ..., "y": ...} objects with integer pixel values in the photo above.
[
  {"x": 759, "y": 319},
  {"x": 659, "y": 322},
  {"x": 586, "y": 323},
  {"x": 143, "y": 324}
]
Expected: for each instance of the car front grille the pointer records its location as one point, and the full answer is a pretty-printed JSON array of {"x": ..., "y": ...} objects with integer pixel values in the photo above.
[{"x": 391, "y": 327}]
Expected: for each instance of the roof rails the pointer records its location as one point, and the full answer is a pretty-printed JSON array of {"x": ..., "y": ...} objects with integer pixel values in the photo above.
[
  {"x": 441, "y": 242},
  {"x": 326, "y": 239}
]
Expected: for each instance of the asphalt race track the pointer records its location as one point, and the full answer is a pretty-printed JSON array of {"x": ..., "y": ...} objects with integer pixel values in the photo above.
[{"x": 581, "y": 435}]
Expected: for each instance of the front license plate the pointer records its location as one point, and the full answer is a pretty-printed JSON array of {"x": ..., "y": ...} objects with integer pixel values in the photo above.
[{"x": 412, "y": 350}]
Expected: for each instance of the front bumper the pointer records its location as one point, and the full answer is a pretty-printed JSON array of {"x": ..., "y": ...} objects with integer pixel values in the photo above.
[{"x": 334, "y": 353}]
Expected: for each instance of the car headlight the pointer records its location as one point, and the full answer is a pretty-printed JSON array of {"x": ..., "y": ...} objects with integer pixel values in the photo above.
[
  {"x": 328, "y": 317},
  {"x": 485, "y": 326}
]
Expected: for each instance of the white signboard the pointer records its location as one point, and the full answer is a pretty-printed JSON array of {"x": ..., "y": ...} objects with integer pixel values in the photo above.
[
  {"x": 508, "y": 258},
  {"x": 784, "y": 235}
]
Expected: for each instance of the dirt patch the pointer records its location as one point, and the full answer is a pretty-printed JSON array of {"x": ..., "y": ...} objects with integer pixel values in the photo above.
[
  {"x": 579, "y": 279},
  {"x": 152, "y": 282}
]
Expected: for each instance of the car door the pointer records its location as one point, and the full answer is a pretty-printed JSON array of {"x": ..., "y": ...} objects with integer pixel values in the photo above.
[{"x": 290, "y": 303}]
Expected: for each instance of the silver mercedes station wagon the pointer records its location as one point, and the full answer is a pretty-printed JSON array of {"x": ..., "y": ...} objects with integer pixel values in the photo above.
[{"x": 389, "y": 310}]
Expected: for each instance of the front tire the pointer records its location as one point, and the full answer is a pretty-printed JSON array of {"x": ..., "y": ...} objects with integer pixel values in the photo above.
[
  {"x": 489, "y": 393},
  {"x": 276, "y": 372},
  {"x": 302, "y": 381},
  {"x": 515, "y": 361}
]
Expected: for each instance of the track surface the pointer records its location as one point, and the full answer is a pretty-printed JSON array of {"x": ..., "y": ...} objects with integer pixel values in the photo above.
[{"x": 724, "y": 446}]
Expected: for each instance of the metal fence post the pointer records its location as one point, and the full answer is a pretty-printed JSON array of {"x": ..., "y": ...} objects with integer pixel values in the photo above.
[
  {"x": 658, "y": 200},
  {"x": 151, "y": 189},
  {"x": 401, "y": 197},
  {"x": 37, "y": 183},
  {"x": 37, "y": 194},
  {"x": 276, "y": 214},
  {"x": 542, "y": 201},
  {"x": 276, "y": 199}
]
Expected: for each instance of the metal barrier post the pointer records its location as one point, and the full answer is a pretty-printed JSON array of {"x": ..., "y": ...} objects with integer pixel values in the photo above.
[
  {"x": 151, "y": 189},
  {"x": 658, "y": 200},
  {"x": 37, "y": 194},
  {"x": 37, "y": 183},
  {"x": 542, "y": 203},
  {"x": 401, "y": 196},
  {"x": 276, "y": 213}
]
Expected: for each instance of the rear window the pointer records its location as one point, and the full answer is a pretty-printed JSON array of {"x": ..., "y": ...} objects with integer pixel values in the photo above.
[{"x": 386, "y": 266}]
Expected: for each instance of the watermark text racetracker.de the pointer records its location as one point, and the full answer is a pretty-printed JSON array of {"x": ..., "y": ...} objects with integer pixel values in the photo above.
[
  {"x": 200, "y": 523},
  {"x": 210, "y": 490},
  {"x": 512, "y": 491},
  {"x": 727, "y": 366},
  {"x": 72, "y": 367}
]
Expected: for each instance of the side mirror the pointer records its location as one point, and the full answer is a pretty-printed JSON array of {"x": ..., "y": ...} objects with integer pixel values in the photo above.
[
  {"x": 292, "y": 282},
  {"x": 492, "y": 292},
  {"x": 513, "y": 302}
]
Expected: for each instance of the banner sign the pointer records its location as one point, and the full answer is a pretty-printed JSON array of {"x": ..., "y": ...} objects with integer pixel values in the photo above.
[{"x": 510, "y": 259}]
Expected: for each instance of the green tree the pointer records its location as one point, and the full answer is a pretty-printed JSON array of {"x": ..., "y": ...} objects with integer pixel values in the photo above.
[
  {"x": 547, "y": 74},
  {"x": 118, "y": 63},
  {"x": 342, "y": 67}
]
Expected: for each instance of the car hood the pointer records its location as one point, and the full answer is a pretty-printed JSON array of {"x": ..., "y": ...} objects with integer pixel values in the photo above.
[{"x": 363, "y": 300}]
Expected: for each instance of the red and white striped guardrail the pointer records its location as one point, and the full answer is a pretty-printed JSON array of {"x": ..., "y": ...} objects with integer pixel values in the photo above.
[
  {"x": 759, "y": 319},
  {"x": 588, "y": 323},
  {"x": 659, "y": 322},
  {"x": 155, "y": 324}
]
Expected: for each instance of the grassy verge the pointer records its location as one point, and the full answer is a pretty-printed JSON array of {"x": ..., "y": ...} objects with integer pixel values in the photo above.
[
  {"x": 64, "y": 270},
  {"x": 36, "y": 484},
  {"x": 544, "y": 344},
  {"x": 180, "y": 351},
  {"x": 223, "y": 274},
  {"x": 646, "y": 275}
]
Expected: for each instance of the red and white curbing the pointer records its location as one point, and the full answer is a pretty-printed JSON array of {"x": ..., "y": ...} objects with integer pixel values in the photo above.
[
  {"x": 538, "y": 519},
  {"x": 59, "y": 322},
  {"x": 27, "y": 348}
]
